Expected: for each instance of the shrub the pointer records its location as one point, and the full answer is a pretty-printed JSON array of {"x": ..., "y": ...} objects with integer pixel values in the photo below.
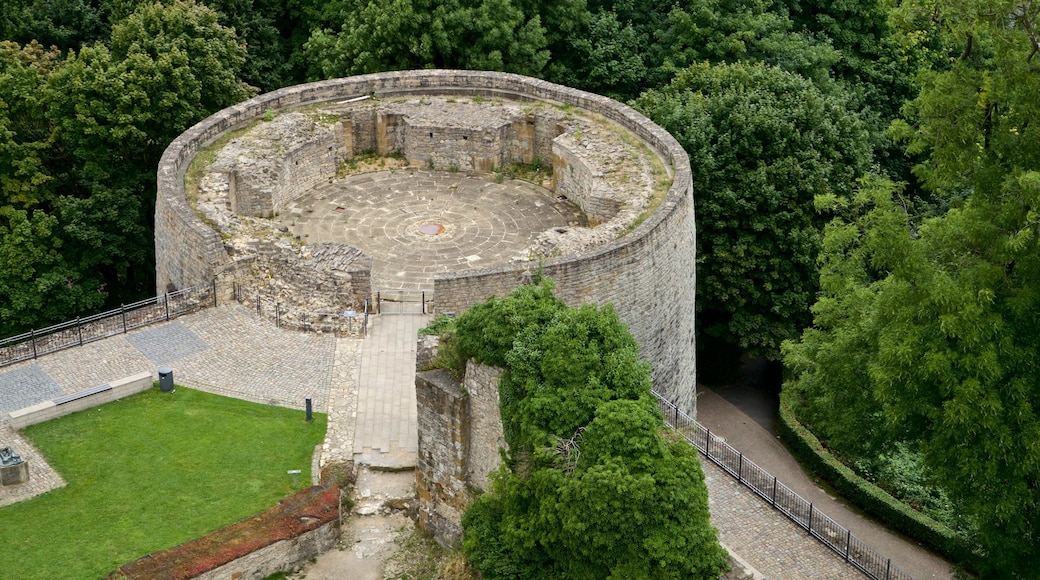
[
  {"x": 592, "y": 488},
  {"x": 869, "y": 497}
]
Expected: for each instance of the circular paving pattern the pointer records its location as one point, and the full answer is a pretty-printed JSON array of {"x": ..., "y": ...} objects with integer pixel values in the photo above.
[{"x": 415, "y": 223}]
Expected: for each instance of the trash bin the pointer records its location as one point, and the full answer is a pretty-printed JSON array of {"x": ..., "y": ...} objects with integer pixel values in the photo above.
[{"x": 166, "y": 379}]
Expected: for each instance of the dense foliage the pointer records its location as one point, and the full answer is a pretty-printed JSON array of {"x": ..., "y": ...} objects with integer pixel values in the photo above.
[
  {"x": 593, "y": 487},
  {"x": 763, "y": 143},
  {"x": 80, "y": 135},
  {"x": 926, "y": 325}
]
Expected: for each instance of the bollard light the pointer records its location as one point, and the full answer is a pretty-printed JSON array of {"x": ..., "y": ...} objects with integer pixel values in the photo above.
[{"x": 309, "y": 410}]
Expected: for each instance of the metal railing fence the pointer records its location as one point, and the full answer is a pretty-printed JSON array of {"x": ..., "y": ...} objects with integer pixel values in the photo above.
[
  {"x": 38, "y": 342},
  {"x": 786, "y": 501},
  {"x": 422, "y": 301}
]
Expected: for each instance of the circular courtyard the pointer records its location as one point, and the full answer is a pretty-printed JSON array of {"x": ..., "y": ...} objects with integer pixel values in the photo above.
[{"x": 417, "y": 223}]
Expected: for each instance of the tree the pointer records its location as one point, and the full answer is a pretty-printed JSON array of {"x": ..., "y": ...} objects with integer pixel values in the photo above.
[
  {"x": 764, "y": 143},
  {"x": 80, "y": 136},
  {"x": 67, "y": 24},
  {"x": 403, "y": 34},
  {"x": 593, "y": 487},
  {"x": 927, "y": 326}
]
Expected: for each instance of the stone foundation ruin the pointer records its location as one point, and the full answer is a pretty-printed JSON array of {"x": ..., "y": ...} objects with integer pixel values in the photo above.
[{"x": 218, "y": 219}]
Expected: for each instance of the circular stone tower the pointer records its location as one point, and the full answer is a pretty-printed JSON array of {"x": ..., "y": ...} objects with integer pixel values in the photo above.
[{"x": 460, "y": 184}]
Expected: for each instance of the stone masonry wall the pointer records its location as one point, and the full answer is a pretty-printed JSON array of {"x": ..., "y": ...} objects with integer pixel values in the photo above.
[
  {"x": 440, "y": 474},
  {"x": 460, "y": 434},
  {"x": 280, "y": 160},
  {"x": 282, "y": 556},
  {"x": 648, "y": 273},
  {"x": 485, "y": 424}
]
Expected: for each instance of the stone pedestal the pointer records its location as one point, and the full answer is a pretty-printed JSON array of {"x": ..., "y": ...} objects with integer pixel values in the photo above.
[{"x": 16, "y": 474}]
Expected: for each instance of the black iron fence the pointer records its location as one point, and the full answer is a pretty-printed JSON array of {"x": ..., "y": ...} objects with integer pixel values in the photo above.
[
  {"x": 36, "y": 343},
  {"x": 781, "y": 497}
]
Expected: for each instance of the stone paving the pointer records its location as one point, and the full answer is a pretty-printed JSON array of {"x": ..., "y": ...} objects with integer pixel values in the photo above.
[
  {"x": 767, "y": 541},
  {"x": 416, "y": 223},
  {"x": 42, "y": 478},
  {"x": 386, "y": 435}
]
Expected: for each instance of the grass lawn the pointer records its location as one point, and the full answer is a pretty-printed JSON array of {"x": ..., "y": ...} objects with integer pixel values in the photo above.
[{"x": 150, "y": 472}]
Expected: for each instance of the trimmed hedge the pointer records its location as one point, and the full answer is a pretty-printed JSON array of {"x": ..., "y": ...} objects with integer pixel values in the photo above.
[
  {"x": 869, "y": 497},
  {"x": 294, "y": 516}
]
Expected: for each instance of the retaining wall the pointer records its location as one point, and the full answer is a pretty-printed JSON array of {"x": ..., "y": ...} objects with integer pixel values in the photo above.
[
  {"x": 280, "y": 556},
  {"x": 648, "y": 274},
  {"x": 48, "y": 410}
]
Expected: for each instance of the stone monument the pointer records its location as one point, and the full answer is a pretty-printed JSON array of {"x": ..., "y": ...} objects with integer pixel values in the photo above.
[{"x": 13, "y": 469}]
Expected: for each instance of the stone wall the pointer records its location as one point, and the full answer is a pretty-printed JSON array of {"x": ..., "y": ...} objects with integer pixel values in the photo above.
[
  {"x": 485, "y": 424},
  {"x": 282, "y": 556},
  {"x": 648, "y": 273},
  {"x": 279, "y": 161},
  {"x": 460, "y": 434},
  {"x": 440, "y": 471}
]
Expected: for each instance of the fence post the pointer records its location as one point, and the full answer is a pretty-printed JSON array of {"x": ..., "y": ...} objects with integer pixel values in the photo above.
[
  {"x": 707, "y": 442},
  {"x": 848, "y": 540},
  {"x": 258, "y": 303},
  {"x": 122, "y": 312},
  {"x": 740, "y": 467},
  {"x": 214, "y": 292},
  {"x": 32, "y": 335},
  {"x": 888, "y": 569},
  {"x": 810, "y": 518},
  {"x": 424, "y": 302},
  {"x": 379, "y": 303},
  {"x": 277, "y": 315},
  {"x": 774, "y": 491},
  {"x": 167, "y": 301},
  {"x": 79, "y": 330},
  {"x": 676, "y": 424}
]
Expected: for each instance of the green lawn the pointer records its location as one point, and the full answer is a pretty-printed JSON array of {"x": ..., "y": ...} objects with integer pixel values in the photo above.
[{"x": 149, "y": 472}]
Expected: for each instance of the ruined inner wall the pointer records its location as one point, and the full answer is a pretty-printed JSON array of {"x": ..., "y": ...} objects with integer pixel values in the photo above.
[
  {"x": 647, "y": 273},
  {"x": 460, "y": 434}
]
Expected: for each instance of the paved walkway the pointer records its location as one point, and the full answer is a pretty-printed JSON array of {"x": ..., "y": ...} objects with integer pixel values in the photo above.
[
  {"x": 763, "y": 447},
  {"x": 386, "y": 435},
  {"x": 367, "y": 386}
]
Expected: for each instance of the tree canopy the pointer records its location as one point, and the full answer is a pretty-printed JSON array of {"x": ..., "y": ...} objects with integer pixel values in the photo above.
[
  {"x": 925, "y": 325},
  {"x": 593, "y": 486},
  {"x": 80, "y": 136},
  {"x": 763, "y": 144}
]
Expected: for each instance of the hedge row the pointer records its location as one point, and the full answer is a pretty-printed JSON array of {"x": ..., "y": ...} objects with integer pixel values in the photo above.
[
  {"x": 869, "y": 497},
  {"x": 294, "y": 516}
]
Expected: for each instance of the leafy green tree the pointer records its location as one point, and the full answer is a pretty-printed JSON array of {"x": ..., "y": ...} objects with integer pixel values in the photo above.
[
  {"x": 747, "y": 31},
  {"x": 268, "y": 51},
  {"x": 764, "y": 143},
  {"x": 594, "y": 488},
  {"x": 80, "y": 136},
  {"x": 607, "y": 57},
  {"x": 403, "y": 34},
  {"x": 927, "y": 326},
  {"x": 67, "y": 24},
  {"x": 924, "y": 334}
]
